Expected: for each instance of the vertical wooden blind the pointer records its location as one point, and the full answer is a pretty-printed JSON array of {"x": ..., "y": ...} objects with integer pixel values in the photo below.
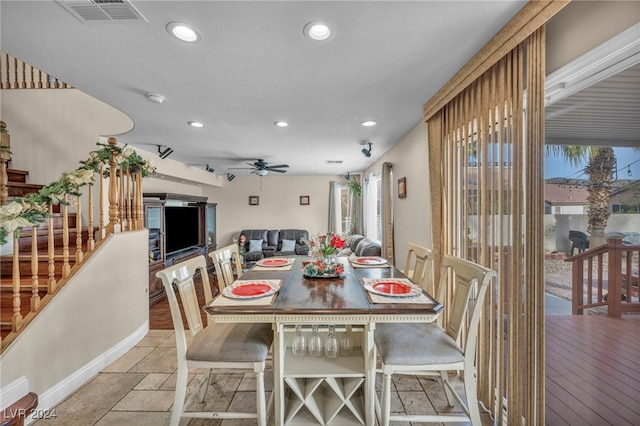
[{"x": 487, "y": 144}]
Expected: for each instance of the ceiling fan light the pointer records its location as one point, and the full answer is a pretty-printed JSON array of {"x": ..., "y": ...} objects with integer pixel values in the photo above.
[{"x": 262, "y": 172}]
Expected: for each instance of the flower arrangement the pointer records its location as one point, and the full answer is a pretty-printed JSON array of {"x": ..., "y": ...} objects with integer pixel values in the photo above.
[
  {"x": 322, "y": 267},
  {"x": 325, "y": 245},
  {"x": 33, "y": 208}
]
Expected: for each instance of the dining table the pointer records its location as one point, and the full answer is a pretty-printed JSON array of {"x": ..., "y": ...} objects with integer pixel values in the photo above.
[{"x": 324, "y": 389}]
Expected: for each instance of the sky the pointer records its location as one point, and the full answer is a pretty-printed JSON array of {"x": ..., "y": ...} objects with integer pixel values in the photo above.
[{"x": 558, "y": 167}]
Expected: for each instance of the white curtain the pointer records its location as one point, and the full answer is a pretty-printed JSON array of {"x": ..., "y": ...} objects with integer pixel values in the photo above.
[
  {"x": 334, "y": 208},
  {"x": 386, "y": 212},
  {"x": 370, "y": 201}
]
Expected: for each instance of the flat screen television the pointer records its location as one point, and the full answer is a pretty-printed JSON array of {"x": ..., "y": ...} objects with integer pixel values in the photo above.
[{"x": 182, "y": 228}]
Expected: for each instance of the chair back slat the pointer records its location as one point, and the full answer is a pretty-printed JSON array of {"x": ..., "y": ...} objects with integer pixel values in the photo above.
[
  {"x": 226, "y": 261},
  {"x": 419, "y": 264},
  {"x": 189, "y": 299},
  {"x": 465, "y": 275},
  {"x": 182, "y": 275}
]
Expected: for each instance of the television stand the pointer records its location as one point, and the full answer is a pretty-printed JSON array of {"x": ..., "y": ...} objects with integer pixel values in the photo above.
[{"x": 201, "y": 217}]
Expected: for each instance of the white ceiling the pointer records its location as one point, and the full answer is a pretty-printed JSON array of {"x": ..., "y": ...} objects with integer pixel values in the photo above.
[{"x": 254, "y": 66}]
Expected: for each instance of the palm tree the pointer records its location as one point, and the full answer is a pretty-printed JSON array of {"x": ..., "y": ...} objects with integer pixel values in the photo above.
[{"x": 600, "y": 169}]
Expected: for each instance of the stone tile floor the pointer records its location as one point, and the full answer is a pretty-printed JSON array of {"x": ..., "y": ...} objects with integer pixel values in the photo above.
[{"x": 138, "y": 390}]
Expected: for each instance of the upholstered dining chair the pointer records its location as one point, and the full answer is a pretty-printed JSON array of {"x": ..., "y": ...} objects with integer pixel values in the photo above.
[
  {"x": 419, "y": 264},
  {"x": 225, "y": 259},
  {"x": 214, "y": 346},
  {"x": 429, "y": 349}
]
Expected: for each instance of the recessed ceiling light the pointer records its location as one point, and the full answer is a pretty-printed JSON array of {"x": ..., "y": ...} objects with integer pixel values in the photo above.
[
  {"x": 195, "y": 124},
  {"x": 369, "y": 123},
  {"x": 183, "y": 32},
  {"x": 281, "y": 124},
  {"x": 317, "y": 30}
]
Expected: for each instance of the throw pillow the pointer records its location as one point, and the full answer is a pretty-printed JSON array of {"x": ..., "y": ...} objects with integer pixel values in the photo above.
[
  {"x": 345, "y": 252},
  {"x": 255, "y": 245},
  {"x": 288, "y": 245}
]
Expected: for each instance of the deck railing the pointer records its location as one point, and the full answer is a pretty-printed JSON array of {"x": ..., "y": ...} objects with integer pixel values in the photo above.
[
  {"x": 122, "y": 187},
  {"x": 606, "y": 276}
]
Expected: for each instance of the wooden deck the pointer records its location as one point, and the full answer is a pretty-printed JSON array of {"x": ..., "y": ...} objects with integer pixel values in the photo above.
[{"x": 592, "y": 370}]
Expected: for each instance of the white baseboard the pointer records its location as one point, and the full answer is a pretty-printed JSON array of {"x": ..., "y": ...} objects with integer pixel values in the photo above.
[
  {"x": 53, "y": 396},
  {"x": 13, "y": 392}
]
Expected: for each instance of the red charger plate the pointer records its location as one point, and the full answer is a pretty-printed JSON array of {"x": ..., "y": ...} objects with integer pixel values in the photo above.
[
  {"x": 251, "y": 289},
  {"x": 274, "y": 262},
  {"x": 369, "y": 261},
  {"x": 392, "y": 288}
]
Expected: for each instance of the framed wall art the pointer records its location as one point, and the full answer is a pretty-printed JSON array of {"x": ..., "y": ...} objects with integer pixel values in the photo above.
[{"x": 402, "y": 187}]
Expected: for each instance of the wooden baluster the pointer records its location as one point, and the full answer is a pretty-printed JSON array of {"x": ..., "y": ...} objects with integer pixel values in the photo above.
[
  {"x": 5, "y": 157},
  {"x": 91, "y": 243},
  {"x": 79, "y": 254},
  {"x": 101, "y": 212},
  {"x": 66, "y": 268},
  {"x": 40, "y": 85},
  {"x": 577, "y": 295},
  {"x": 1, "y": 71},
  {"x": 16, "y": 319},
  {"x": 15, "y": 73},
  {"x": 113, "y": 193},
  {"x": 614, "y": 303},
  {"x": 7, "y": 84},
  {"x": 122, "y": 202},
  {"x": 52, "y": 285},
  {"x": 139, "y": 206},
  {"x": 130, "y": 224},
  {"x": 32, "y": 84},
  {"x": 35, "y": 284},
  {"x": 24, "y": 75}
]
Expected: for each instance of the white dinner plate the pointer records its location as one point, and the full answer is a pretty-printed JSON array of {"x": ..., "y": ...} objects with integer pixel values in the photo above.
[{"x": 369, "y": 261}]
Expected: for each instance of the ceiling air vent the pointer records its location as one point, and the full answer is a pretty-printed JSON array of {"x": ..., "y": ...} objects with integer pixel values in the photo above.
[
  {"x": 334, "y": 161},
  {"x": 102, "y": 10}
]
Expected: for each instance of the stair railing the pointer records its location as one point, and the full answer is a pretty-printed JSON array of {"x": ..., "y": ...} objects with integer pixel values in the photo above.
[
  {"x": 17, "y": 74},
  {"x": 29, "y": 221},
  {"x": 611, "y": 281}
]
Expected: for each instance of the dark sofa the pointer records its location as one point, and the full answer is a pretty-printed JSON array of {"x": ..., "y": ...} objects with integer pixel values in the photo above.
[
  {"x": 273, "y": 242},
  {"x": 359, "y": 245}
]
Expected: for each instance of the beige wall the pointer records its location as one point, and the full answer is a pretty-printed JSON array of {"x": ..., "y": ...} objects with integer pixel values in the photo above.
[
  {"x": 52, "y": 130},
  {"x": 411, "y": 215},
  {"x": 279, "y": 206},
  {"x": 583, "y": 25},
  {"x": 60, "y": 350}
]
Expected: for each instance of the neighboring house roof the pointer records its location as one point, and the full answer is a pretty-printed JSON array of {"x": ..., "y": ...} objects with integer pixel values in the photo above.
[{"x": 564, "y": 194}]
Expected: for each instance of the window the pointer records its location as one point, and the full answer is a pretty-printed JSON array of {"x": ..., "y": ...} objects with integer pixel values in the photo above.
[{"x": 373, "y": 207}]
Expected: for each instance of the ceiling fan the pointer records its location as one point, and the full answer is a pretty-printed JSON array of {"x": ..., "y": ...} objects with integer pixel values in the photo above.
[{"x": 262, "y": 168}]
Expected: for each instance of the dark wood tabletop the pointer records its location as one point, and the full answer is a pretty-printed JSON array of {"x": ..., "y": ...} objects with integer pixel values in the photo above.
[{"x": 320, "y": 296}]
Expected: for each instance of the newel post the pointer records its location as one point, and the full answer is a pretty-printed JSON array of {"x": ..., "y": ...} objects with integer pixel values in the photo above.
[
  {"x": 614, "y": 294},
  {"x": 113, "y": 191},
  {"x": 5, "y": 157}
]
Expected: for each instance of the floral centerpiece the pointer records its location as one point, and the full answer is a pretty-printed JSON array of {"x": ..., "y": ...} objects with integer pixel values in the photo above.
[
  {"x": 325, "y": 245},
  {"x": 324, "y": 248}
]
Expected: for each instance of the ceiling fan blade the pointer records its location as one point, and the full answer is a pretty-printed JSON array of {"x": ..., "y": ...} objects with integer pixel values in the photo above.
[
  {"x": 279, "y": 166},
  {"x": 278, "y": 171}
]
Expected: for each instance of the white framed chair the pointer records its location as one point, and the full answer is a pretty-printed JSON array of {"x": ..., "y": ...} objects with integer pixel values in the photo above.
[
  {"x": 419, "y": 265},
  {"x": 429, "y": 349},
  {"x": 214, "y": 346},
  {"x": 225, "y": 259}
]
